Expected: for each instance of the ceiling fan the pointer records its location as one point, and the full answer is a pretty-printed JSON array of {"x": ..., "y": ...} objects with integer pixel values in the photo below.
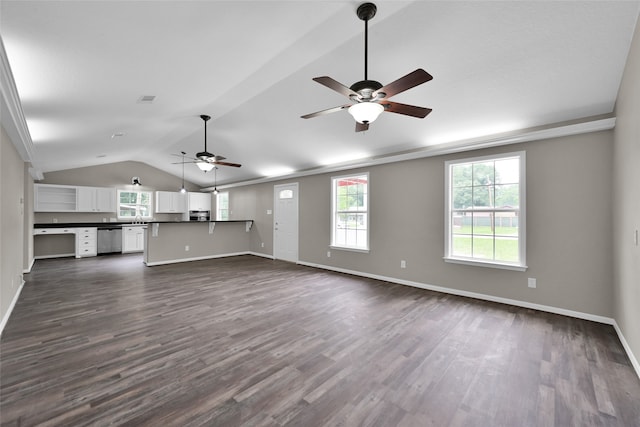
[
  {"x": 370, "y": 97},
  {"x": 205, "y": 160}
]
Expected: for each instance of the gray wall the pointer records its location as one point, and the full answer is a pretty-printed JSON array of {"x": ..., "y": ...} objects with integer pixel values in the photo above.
[
  {"x": 626, "y": 191},
  {"x": 569, "y": 225},
  {"x": 12, "y": 223}
]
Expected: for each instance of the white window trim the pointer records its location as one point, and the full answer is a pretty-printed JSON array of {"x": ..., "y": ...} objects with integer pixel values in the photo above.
[
  {"x": 150, "y": 216},
  {"x": 218, "y": 206},
  {"x": 333, "y": 215},
  {"x": 522, "y": 214}
]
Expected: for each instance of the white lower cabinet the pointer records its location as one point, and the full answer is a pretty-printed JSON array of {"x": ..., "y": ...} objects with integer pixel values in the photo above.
[
  {"x": 86, "y": 242},
  {"x": 132, "y": 239}
]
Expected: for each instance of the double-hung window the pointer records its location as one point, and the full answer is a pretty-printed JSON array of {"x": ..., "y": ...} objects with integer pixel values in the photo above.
[
  {"x": 485, "y": 211},
  {"x": 222, "y": 206},
  {"x": 134, "y": 204},
  {"x": 350, "y": 206}
]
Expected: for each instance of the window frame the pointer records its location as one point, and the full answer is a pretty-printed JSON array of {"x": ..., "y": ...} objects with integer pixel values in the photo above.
[
  {"x": 335, "y": 212},
  {"x": 150, "y": 216},
  {"x": 218, "y": 209},
  {"x": 521, "y": 265}
]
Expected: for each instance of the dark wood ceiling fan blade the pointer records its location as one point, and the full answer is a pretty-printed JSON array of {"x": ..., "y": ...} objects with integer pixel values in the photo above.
[
  {"x": 360, "y": 127},
  {"x": 235, "y": 165},
  {"x": 407, "y": 110},
  {"x": 334, "y": 85},
  {"x": 323, "y": 112},
  {"x": 412, "y": 79}
]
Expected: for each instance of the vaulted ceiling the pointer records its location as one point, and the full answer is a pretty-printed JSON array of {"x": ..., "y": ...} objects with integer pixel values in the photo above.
[{"x": 499, "y": 68}]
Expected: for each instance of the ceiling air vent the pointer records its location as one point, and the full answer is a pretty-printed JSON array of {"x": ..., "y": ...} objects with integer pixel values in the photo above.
[{"x": 146, "y": 99}]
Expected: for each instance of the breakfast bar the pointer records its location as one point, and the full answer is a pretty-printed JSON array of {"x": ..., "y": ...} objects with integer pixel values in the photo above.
[{"x": 168, "y": 242}]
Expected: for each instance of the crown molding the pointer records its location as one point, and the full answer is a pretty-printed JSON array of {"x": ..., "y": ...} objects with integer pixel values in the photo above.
[
  {"x": 12, "y": 115},
  {"x": 555, "y": 130}
]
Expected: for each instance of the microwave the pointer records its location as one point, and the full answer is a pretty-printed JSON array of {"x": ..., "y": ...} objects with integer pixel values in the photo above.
[{"x": 199, "y": 215}]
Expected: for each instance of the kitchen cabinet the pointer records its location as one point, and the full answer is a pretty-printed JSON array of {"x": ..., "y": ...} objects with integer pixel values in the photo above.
[
  {"x": 199, "y": 201},
  {"x": 132, "y": 239},
  {"x": 86, "y": 242},
  {"x": 171, "y": 202},
  {"x": 73, "y": 198},
  {"x": 54, "y": 198},
  {"x": 96, "y": 199}
]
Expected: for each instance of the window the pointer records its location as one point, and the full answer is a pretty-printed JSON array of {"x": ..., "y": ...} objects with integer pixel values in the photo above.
[
  {"x": 222, "y": 206},
  {"x": 350, "y": 219},
  {"x": 485, "y": 211},
  {"x": 132, "y": 204}
]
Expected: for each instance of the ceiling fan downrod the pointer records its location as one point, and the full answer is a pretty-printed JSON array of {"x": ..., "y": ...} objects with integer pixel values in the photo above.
[
  {"x": 206, "y": 119},
  {"x": 366, "y": 11}
]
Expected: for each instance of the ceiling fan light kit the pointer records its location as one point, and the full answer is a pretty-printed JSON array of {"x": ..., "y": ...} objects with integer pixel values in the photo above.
[
  {"x": 366, "y": 112},
  {"x": 204, "y": 165},
  {"x": 370, "y": 96}
]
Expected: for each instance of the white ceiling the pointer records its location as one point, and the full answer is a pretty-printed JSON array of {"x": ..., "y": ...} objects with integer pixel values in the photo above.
[{"x": 80, "y": 68}]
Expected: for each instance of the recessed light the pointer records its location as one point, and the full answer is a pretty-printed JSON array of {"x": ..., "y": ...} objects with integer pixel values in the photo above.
[
  {"x": 117, "y": 135},
  {"x": 146, "y": 99}
]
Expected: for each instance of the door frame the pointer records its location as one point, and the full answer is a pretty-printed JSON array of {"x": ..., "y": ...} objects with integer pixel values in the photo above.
[{"x": 276, "y": 191}]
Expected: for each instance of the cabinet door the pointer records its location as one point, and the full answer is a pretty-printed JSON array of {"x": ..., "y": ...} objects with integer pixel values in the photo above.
[
  {"x": 199, "y": 201},
  {"x": 86, "y": 199},
  {"x": 140, "y": 239},
  {"x": 170, "y": 202},
  {"x": 163, "y": 202},
  {"x": 105, "y": 200},
  {"x": 132, "y": 239}
]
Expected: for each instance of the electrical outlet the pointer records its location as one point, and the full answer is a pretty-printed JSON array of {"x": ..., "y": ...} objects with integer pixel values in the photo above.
[
  {"x": 532, "y": 283},
  {"x": 269, "y": 211},
  {"x": 262, "y": 245},
  {"x": 186, "y": 248},
  {"x": 328, "y": 254},
  {"x": 403, "y": 264}
]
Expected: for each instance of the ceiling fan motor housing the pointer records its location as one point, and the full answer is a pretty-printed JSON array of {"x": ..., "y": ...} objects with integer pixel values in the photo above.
[{"x": 365, "y": 89}]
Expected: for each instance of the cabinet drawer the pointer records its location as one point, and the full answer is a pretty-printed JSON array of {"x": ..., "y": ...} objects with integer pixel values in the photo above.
[
  {"x": 54, "y": 230},
  {"x": 84, "y": 236},
  {"x": 87, "y": 242},
  {"x": 86, "y": 251},
  {"x": 91, "y": 231}
]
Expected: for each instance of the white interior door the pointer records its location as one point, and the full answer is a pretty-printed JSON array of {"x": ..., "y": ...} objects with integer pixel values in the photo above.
[{"x": 285, "y": 222}]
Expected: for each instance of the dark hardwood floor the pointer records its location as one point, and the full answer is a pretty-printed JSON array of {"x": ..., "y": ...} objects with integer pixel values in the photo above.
[{"x": 246, "y": 341}]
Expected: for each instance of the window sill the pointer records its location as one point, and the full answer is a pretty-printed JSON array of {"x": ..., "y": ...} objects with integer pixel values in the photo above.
[
  {"x": 347, "y": 248},
  {"x": 486, "y": 264}
]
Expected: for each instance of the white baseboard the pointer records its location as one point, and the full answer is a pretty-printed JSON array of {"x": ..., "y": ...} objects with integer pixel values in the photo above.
[
  {"x": 6, "y": 316},
  {"x": 54, "y": 256},
  {"x": 261, "y": 255},
  {"x": 485, "y": 297},
  {"x": 28, "y": 270},
  {"x": 625, "y": 344},
  {"x": 199, "y": 258}
]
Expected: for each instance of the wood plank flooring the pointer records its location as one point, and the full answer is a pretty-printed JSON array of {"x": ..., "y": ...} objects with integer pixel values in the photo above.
[{"x": 246, "y": 341}]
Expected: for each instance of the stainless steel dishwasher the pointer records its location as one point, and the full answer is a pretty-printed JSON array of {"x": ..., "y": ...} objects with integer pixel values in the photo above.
[{"x": 109, "y": 240}]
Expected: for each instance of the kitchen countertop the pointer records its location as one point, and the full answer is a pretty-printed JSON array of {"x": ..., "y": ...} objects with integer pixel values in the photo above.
[
  {"x": 120, "y": 224},
  {"x": 83, "y": 224}
]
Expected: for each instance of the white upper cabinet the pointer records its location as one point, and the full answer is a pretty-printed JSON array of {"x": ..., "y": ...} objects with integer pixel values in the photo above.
[
  {"x": 96, "y": 199},
  {"x": 200, "y": 201},
  {"x": 171, "y": 202},
  {"x": 55, "y": 198},
  {"x": 73, "y": 198}
]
